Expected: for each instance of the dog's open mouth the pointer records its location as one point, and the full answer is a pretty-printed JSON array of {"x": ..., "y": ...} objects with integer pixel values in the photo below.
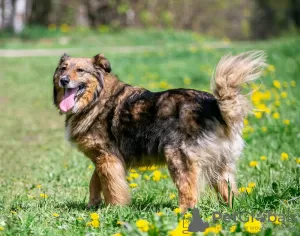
[{"x": 69, "y": 98}]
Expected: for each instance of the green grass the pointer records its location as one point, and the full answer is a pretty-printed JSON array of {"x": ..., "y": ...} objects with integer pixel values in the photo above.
[
  {"x": 33, "y": 151},
  {"x": 86, "y": 38}
]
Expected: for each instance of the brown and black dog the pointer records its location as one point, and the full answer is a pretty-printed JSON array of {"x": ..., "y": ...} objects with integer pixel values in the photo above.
[{"x": 116, "y": 125}]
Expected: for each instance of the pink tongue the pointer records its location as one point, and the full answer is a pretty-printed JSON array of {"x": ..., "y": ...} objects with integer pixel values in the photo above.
[{"x": 68, "y": 100}]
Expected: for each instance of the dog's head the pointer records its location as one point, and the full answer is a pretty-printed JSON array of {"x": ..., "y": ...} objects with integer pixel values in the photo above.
[{"x": 78, "y": 82}]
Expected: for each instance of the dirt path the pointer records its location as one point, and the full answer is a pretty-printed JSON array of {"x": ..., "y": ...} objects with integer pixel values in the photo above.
[{"x": 60, "y": 51}]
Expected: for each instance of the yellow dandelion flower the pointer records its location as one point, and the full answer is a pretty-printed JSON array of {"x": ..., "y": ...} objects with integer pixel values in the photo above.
[
  {"x": 233, "y": 228},
  {"x": 89, "y": 223},
  {"x": 181, "y": 226},
  {"x": 142, "y": 225},
  {"x": 271, "y": 68},
  {"x": 172, "y": 196},
  {"x": 159, "y": 213},
  {"x": 277, "y": 103},
  {"x": 65, "y": 28},
  {"x": 133, "y": 185},
  {"x": 117, "y": 234},
  {"x": 248, "y": 190},
  {"x": 284, "y": 156},
  {"x": 13, "y": 212},
  {"x": 133, "y": 171},
  {"x": 251, "y": 185},
  {"x": 285, "y": 84},
  {"x": 153, "y": 167},
  {"x": 79, "y": 218},
  {"x": 263, "y": 158},
  {"x": 1, "y": 228},
  {"x": 94, "y": 216},
  {"x": 258, "y": 114},
  {"x": 275, "y": 220},
  {"x": 246, "y": 122},
  {"x": 267, "y": 110},
  {"x": 143, "y": 168},
  {"x": 286, "y": 122},
  {"x": 284, "y": 94},
  {"x": 187, "y": 81},
  {"x": 120, "y": 222},
  {"x": 277, "y": 84},
  {"x": 129, "y": 178},
  {"x": 293, "y": 83},
  {"x": 177, "y": 210},
  {"x": 95, "y": 223},
  {"x": 253, "y": 163},
  {"x": 90, "y": 167},
  {"x": 38, "y": 186},
  {"x": 276, "y": 115},
  {"x": 43, "y": 195},
  {"x": 156, "y": 175},
  {"x": 298, "y": 160},
  {"x": 134, "y": 175},
  {"x": 164, "y": 85},
  {"x": 214, "y": 229},
  {"x": 245, "y": 189},
  {"x": 146, "y": 177},
  {"x": 55, "y": 215},
  {"x": 164, "y": 176},
  {"x": 264, "y": 129},
  {"x": 188, "y": 215},
  {"x": 253, "y": 226}
]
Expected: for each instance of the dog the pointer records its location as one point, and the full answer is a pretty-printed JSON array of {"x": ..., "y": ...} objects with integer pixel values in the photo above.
[{"x": 198, "y": 135}]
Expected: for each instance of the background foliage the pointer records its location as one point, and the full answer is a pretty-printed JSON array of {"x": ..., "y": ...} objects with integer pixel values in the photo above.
[{"x": 238, "y": 19}]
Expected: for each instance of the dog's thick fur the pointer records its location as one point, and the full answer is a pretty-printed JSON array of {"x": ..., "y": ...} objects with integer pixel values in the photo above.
[{"x": 197, "y": 134}]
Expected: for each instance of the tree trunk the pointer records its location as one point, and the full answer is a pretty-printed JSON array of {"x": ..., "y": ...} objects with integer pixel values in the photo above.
[{"x": 19, "y": 16}]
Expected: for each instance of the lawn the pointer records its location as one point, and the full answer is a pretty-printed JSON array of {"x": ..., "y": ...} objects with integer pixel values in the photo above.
[{"x": 44, "y": 181}]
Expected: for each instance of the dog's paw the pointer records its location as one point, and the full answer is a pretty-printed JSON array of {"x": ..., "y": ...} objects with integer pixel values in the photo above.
[{"x": 94, "y": 204}]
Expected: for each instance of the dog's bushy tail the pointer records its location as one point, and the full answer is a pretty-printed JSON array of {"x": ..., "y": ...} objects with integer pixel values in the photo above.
[{"x": 231, "y": 73}]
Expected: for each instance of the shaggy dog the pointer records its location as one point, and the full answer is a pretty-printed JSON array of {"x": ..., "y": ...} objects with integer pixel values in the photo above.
[{"x": 197, "y": 134}]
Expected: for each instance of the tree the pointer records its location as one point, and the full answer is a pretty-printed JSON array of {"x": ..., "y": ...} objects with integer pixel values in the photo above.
[{"x": 19, "y": 18}]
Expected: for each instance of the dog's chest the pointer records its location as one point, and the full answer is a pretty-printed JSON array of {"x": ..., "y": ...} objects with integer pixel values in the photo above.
[{"x": 89, "y": 143}]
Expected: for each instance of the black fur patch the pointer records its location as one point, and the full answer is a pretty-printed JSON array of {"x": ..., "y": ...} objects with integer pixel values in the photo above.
[{"x": 143, "y": 130}]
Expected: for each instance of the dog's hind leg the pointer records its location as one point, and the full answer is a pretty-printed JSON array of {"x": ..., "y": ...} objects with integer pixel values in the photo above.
[
  {"x": 113, "y": 180},
  {"x": 95, "y": 190},
  {"x": 185, "y": 175},
  {"x": 226, "y": 186}
]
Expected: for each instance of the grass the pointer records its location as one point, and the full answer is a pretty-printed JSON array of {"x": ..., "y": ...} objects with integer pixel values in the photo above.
[{"x": 44, "y": 181}]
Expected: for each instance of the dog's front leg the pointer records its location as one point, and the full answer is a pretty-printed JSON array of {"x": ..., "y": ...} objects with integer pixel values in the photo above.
[
  {"x": 112, "y": 175},
  {"x": 95, "y": 190}
]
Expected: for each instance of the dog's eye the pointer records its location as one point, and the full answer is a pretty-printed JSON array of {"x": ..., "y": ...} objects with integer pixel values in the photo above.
[
  {"x": 80, "y": 70},
  {"x": 63, "y": 68}
]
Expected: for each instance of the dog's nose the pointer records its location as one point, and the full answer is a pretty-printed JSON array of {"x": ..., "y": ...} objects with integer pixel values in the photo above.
[{"x": 64, "y": 80}]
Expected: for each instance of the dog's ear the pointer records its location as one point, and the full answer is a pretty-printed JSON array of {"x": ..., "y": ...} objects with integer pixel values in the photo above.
[
  {"x": 102, "y": 61},
  {"x": 64, "y": 57}
]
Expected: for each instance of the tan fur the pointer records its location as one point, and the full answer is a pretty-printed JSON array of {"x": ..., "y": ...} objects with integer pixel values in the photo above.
[
  {"x": 231, "y": 73},
  {"x": 113, "y": 180}
]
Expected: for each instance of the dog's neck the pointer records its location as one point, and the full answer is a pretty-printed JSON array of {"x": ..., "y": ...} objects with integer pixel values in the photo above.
[{"x": 110, "y": 95}]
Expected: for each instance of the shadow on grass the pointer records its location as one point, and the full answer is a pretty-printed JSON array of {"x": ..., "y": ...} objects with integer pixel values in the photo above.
[
  {"x": 153, "y": 204},
  {"x": 74, "y": 205}
]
